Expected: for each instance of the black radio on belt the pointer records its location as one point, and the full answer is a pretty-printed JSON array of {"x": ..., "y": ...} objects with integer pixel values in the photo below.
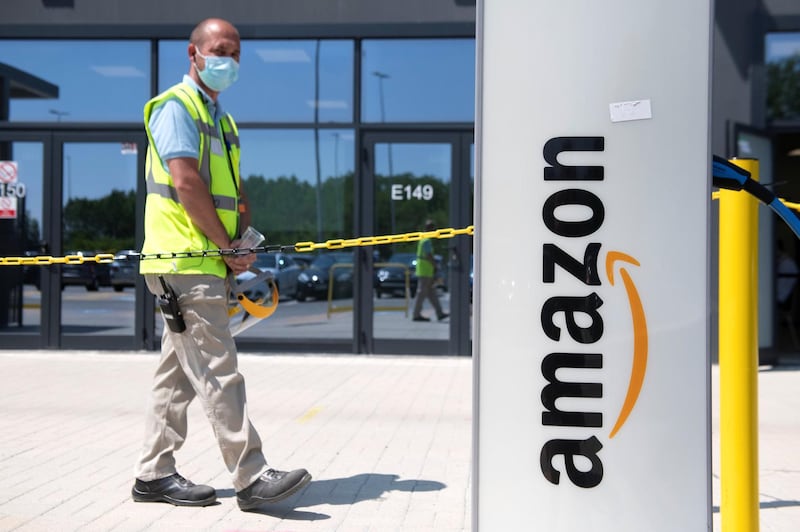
[{"x": 168, "y": 303}]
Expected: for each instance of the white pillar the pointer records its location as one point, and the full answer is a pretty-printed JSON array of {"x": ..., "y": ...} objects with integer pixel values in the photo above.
[{"x": 592, "y": 331}]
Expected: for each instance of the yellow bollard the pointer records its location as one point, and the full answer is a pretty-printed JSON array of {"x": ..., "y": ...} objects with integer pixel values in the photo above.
[{"x": 738, "y": 356}]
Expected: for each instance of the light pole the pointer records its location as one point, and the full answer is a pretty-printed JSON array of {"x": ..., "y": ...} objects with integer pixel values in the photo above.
[
  {"x": 58, "y": 114},
  {"x": 382, "y": 76},
  {"x": 316, "y": 141},
  {"x": 69, "y": 176},
  {"x": 336, "y": 207},
  {"x": 336, "y": 153}
]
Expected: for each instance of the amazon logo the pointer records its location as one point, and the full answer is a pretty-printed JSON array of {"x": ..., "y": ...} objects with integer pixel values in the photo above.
[{"x": 575, "y": 322}]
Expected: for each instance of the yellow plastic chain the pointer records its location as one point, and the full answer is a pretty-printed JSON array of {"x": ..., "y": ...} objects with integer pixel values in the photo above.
[
  {"x": 300, "y": 247},
  {"x": 303, "y": 247},
  {"x": 103, "y": 258}
]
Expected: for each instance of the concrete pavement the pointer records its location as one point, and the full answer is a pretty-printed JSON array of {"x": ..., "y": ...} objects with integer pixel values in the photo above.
[{"x": 386, "y": 438}]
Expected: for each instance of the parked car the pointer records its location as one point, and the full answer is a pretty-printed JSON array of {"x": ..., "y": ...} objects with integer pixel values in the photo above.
[
  {"x": 390, "y": 276},
  {"x": 390, "y": 279},
  {"x": 284, "y": 269},
  {"x": 32, "y": 274},
  {"x": 313, "y": 281},
  {"x": 303, "y": 260},
  {"x": 90, "y": 274},
  {"x": 124, "y": 269}
]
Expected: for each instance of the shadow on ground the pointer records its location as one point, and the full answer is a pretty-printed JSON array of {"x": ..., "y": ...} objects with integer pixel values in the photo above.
[
  {"x": 769, "y": 504},
  {"x": 340, "y": 491}
]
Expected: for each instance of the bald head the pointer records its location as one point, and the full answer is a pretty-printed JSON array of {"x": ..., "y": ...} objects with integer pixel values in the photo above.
[{"x": 211, "y": 28}]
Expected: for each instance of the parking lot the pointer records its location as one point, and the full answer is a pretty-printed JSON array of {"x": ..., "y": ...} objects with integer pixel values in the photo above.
[{"x": 108, "y": 312}]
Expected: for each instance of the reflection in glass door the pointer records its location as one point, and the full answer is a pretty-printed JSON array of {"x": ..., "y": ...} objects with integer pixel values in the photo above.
[
  {"x": 414, "y": 178},
  {"x": 21, "y": 234},
  {"x": 412, "y": 184},
  {"x": 299, "y": 184},
  {"x": 99, "y": 209}
]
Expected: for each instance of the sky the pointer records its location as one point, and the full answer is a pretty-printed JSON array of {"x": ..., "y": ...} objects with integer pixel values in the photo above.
[{"x": 781, "y": 45}]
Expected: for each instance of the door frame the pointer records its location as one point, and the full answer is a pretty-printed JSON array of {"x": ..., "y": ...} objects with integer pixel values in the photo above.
[
  {"x": 459, "y": 248},
  {"x": 768, "y": 228},
  {"x": 47, "y": 336},
  {"x": 51, "y": 335}
]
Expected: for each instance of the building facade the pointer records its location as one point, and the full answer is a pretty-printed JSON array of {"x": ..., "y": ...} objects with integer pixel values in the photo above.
[{"x": 356, "y": 118}]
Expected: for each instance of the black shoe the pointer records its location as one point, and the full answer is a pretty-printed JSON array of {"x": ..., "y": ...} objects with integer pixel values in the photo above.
[
  {"x": 442, "y": 316},
  {"x": 421, "y": 318},
  {"x": 272, "y": 486},
  {"x": 175, "y": 490}
]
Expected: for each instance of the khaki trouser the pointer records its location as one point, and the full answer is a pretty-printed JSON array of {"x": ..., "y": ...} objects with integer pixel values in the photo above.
[
  {"x": 201, "y": 362},
  {"x": 426, "y": 290}
]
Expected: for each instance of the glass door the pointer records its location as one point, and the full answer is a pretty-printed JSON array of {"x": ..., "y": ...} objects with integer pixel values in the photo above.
[
  {"x": 299, "y": 184},
  {"x": 100, "y": 214},
  {"x": 72, "y": 194},
  {"x": 420, "y": 293}
]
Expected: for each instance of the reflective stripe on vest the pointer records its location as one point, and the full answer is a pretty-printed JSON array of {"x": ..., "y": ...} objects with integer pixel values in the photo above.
[
  {"x": 212, "y": 146},
  {"x": 168, "y": 191}
]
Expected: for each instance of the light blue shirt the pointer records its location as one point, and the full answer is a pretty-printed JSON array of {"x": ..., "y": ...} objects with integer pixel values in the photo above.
[{"x": 174, "y": 132}]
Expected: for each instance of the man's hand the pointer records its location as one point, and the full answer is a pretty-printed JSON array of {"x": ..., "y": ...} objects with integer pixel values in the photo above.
[{"x": 239, "y": 263}]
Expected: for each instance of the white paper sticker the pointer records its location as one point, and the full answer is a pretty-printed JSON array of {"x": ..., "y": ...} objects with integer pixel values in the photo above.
[{"x": 633, "y": 110}]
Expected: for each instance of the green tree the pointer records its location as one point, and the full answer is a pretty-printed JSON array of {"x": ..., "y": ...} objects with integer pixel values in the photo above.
[
  {"x": 284, "y": 209},
  {"x": 783, "y": 88},
  {"x": 105, "y": 224},
  {"x": 31, "y": 233}
]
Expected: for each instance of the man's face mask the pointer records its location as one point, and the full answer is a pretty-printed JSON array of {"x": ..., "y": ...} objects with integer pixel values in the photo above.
[{"x": 219, "y": 73}]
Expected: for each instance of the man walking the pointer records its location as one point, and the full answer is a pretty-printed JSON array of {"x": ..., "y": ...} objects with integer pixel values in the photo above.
[
  {"x": 426, "y": 269},
  {"x": 195, "y": 201}
]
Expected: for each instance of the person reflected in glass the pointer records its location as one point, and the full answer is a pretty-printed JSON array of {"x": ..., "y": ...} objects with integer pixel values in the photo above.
[
  {"x": 426, "y": 273},
  {"x": 194, "y": 202}
]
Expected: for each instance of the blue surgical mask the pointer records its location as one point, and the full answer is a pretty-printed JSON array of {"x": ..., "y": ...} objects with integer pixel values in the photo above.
[{"x": 219, "y": 73}]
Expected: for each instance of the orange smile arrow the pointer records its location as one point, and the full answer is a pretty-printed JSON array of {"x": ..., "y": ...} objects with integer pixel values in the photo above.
[{"x": 639, "y": 366}]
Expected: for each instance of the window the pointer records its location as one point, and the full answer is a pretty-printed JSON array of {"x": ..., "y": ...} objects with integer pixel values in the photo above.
[
  {"x": 418, "y": 80},
  {"x": 98, "y": 81},
  {"x": 783, "y": 76},
  {"x": 299, "y": 183}
]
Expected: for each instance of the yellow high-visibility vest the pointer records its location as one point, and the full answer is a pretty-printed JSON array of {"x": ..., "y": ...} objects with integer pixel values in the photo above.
[
  {"x": 425, "y": 268},
  {"x": 167, "y": 225}
]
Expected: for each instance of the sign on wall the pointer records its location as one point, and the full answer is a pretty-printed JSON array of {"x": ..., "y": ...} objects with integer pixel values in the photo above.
[
  {"x": 10, "y": 190},
  {"x": 591, "y": 352}
]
